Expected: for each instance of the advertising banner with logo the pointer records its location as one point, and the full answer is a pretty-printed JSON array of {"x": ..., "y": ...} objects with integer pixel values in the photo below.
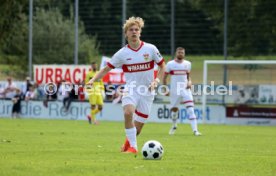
[
  {"x": 215, "y": 114},
  {"x": 251, "y": 115},
  {"x": 44, "y": 74},
  {"x": 55, "y": 110},
  {"x": 111, "y": 112}
]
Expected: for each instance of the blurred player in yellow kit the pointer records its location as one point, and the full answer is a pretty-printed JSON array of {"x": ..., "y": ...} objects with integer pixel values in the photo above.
[{"x": 95, "y": 93}]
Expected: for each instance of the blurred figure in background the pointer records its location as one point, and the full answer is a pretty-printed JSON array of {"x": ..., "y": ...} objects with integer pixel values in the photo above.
[
  {"x": 30, "y": 94},
  {"x": 62, "y": 86},
  {"x": 51, "y": 94},
  {"x": 2, "y": 91},
  {"x": 16, "y": 108},
  {"x": 26, "y": 86},
  {"x": 9, "y": 89},
  {"x": 109, "y": 91},
  {"x": 39, "y": 92},
  {"x": 71, "y": 96},
  {"x": 81, "y": 95},
  {"x": 118, "y": 94},
  {"x": 180, "y": 69},
  {"x": 95, "y": 94}
]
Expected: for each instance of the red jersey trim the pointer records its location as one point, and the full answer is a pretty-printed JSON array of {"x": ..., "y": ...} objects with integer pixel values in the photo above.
[
  {"x": 141, "y": 114},
  {"x": 178, "y": 72},
  {"x": 159, "y": 63},
  {"x": 142, "y": 43},
  {"x": 110, "y": 65},
  {"x": 190, "y": 101},
  {"x": 138, "y": 67}
]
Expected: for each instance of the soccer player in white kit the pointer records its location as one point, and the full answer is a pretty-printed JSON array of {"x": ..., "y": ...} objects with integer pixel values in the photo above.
[
  {"x": 137, "y": 60},
  {"x": 180, "y": 89}
]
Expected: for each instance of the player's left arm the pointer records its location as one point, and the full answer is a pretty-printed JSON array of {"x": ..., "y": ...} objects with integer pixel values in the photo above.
[
  {"x": 189, "y": 79},
  {"x": 159, "y": 60},
  {"x": 160, "y": 75},
  {"x": 161, "y": 71},
  {"x": 189, "y": 84}
]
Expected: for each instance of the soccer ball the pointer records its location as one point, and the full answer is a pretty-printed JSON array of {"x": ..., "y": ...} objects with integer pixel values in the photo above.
[{"x": 152, "y": 150}]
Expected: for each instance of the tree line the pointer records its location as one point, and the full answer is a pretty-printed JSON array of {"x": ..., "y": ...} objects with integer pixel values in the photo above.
[{"x": 198, "y": 27}]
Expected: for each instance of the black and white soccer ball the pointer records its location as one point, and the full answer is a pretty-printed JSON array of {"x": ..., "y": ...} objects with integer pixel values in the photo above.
[{"x": 152, "y": 150}]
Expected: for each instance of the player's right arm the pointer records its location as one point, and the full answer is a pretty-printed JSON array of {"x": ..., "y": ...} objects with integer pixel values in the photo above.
[
  {"x": 165, "y": 78},
  {"x": 99, "y": 75},
  {"x": 114, "y": 62},
  {"x": 167, "y": 72}
]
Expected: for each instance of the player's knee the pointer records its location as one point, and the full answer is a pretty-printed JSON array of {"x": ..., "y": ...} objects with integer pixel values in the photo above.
[
  {"x": 100, "y": 107},
  {"x": 128, "y": 113},
  {"x": 93, "y": 106}
]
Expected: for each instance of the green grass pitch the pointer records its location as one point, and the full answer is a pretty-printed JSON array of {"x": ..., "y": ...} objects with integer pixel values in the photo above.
[{"x": 63, "y": 147}]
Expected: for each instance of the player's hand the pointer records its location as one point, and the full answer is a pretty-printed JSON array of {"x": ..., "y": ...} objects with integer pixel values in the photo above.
[
  {"x": 88, "y": 87},
  {"x": 189, "y": 85},
  {"x": 90, "y": 82},
  {"x": 153, "y": 84}
]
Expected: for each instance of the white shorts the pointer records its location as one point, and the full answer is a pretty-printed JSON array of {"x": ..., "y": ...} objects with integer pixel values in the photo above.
[
  {"x": 185, "y": 96},
  {"x": 142, "y": 104}
]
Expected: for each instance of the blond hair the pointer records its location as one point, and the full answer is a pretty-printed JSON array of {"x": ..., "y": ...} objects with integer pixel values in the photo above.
[{"x": 133, "y": 21}]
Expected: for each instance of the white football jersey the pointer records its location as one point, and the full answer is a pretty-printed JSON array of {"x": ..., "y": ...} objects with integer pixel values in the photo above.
[
  {"x": 137, "y": 65},
  {"x": 178, "y": 72}
]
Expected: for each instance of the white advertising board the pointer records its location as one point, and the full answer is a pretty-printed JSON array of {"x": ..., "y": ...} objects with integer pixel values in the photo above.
[
  {"x": 111, "y": 112},
  {"x": 215, "y": 114}
]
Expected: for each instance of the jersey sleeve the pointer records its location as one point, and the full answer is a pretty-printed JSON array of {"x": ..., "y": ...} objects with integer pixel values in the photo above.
[
  {"x": 157, "y": 57},
  {"x": 116, "y": 60},
  {"x": 168, "y": 69},
  {"x": 189, "y": 67}
]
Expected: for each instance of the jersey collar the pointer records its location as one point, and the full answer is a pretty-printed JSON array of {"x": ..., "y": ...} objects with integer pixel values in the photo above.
[
  {"x": 178, "y": 61},
  {"x": 142, "y": 43}
]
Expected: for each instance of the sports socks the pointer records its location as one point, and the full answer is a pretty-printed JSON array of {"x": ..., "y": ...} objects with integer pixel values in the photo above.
[
  {"x": 193, "y": 124},
  {"x": 131, "y": 136},
  {"x": 93, "y": 113},
  {"x": 192, "y": 117},
  {"x": 174, "y": 116}
]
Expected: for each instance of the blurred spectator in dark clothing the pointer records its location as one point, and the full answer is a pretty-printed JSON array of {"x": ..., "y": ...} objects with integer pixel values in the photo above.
[
  {"x": 16, "y": 108},
  {"x": 26, "y": 86},
  {"x": 73, "y": 95},
  {"x": 110, "y": 90},
  {"x": 51, "y": 93},
  {"x": 118, "y": 94}
]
